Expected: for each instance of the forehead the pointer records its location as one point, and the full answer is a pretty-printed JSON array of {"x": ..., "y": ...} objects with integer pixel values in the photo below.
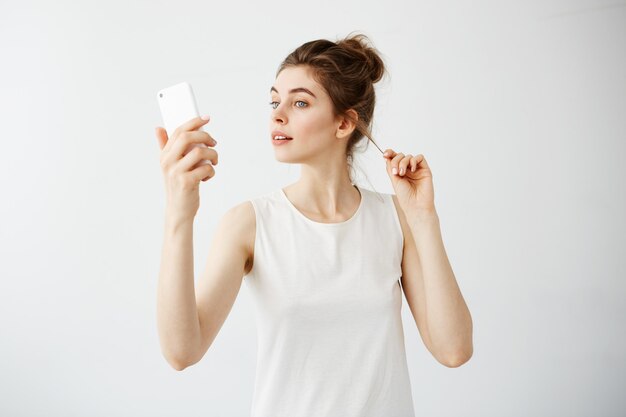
[{"x": 293, "y": 77}]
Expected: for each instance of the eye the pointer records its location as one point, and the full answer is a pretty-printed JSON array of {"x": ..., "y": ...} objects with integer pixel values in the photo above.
[{"x": 274, "y": 104}]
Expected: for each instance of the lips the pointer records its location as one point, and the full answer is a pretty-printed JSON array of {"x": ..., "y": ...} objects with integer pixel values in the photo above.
[{"x": 279, "y": 133}]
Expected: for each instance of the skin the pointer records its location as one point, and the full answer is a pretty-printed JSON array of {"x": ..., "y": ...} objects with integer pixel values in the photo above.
[
  {"x": 189, "y": 316},
  {"x": 324, "y": 191}
]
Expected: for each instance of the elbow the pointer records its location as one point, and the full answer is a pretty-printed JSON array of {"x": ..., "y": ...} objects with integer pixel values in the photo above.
[
  {"x": 179, "y": 360},
  {"x": 454, "y": 361},
  {"x": 178, "y": 357},
  {"x": 176, "y": 364},
  {"x": 186, "y": 362},
  {"x": 458, "y": 353}
]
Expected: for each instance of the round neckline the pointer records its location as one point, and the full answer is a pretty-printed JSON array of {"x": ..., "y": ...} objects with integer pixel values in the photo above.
[{"x": 299, "y": 213}]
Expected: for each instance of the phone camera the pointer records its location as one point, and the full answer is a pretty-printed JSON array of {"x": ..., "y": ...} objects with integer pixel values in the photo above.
[{"x": 160, "y": 94}]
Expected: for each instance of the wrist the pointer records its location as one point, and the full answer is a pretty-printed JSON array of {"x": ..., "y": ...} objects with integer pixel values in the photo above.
[
  {"x": 422, "y": 216},
  {"x": 176, "y": 221}
]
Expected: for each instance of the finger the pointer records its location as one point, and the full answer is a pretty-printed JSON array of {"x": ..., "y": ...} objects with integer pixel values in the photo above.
[
  {"x": 421, "y": 160},
  {"x": 389, "y": 153},
  {"x": 172, "y": 153},
  {"x": 203, "y": 173},
  {"x": 189, "y": 125},
  {"x": 403, "y": 164},
  {"x": 161, "y": 135},
  {"x": 395, "y": 162},
  {"x": 183, "y": 144},
  {"x": 196, "y": 157}
]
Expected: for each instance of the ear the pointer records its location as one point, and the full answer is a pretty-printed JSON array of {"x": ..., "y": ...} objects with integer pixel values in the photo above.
[{"x": 347, "y": 126}]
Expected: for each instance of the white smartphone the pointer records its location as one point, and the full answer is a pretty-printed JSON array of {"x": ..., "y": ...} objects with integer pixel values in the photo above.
[{"x": 178, "y": 105}]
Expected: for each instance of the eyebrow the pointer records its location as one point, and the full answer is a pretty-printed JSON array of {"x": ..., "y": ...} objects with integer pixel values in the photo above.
[{"x": 296, "y": 90}]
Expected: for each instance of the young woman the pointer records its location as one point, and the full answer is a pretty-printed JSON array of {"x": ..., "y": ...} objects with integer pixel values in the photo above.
[{"x": 326, "y": 260}]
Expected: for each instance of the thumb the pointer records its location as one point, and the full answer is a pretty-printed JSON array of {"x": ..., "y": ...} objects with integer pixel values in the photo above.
[{"x": 161, "y": 135}]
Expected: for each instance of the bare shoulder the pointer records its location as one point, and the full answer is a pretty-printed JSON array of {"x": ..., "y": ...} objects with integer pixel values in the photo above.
[{"x": 241, "y": 220}]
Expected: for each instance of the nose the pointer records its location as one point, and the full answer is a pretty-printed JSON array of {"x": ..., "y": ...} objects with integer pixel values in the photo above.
[{"x": 278, "y": 115}]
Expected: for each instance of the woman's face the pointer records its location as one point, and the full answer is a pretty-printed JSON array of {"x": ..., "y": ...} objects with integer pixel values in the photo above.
[{"x": 302, "y": 110}]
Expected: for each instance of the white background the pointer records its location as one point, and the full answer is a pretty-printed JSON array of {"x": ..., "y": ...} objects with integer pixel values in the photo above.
[{"x": 518, "y": 106}]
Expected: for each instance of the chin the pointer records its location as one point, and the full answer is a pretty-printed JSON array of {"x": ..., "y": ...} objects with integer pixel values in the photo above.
[{"x": 286, "y": 159}]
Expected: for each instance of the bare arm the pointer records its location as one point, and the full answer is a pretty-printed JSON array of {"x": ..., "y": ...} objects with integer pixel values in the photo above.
[
  {"x": 189, "y": 318},
  {"x": 441, "y": 311},
  {"x": 447, "y": 316},
  {"x": 177, "y": 315}
]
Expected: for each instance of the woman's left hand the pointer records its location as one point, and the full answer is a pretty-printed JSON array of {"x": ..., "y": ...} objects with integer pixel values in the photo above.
[{"x": 413, "y": 182}]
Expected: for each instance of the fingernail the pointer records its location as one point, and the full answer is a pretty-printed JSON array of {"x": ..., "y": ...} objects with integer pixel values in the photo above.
[
  {"x": 394, "y": 171},
  {"x": 401, "y": 171},
  {"x": 205, "y": 117}
]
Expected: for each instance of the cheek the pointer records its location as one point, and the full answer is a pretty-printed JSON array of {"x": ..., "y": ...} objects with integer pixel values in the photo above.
[{"x": 314, "y": 125}]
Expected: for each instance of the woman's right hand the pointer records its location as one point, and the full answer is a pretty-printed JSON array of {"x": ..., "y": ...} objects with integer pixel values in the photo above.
[{"x": 183, "y": 165}]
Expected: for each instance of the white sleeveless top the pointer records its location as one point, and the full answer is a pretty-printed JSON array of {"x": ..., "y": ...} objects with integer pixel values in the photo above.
[{"x": 328, "y": 301}]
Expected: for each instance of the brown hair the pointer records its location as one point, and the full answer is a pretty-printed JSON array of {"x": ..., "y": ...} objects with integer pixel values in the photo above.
[{"x": 347, "y": 69}]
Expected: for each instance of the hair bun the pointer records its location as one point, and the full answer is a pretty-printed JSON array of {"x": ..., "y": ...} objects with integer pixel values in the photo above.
[{"x": 360, "y": 45}]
